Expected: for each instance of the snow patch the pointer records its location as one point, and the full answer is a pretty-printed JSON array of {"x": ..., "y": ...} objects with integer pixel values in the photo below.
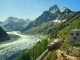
[
  {"x": 59, "y": 20},
  {"x": 63, "y": 9}
]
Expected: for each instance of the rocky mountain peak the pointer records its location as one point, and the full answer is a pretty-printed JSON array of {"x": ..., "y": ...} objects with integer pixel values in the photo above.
[
  {"x": 54, "y": 9},
  {"x": 64, "y": 9},
  {"x": 11, "y": 18}
]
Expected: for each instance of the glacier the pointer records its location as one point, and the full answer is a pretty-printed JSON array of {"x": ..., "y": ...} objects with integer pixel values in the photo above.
[{"x": 11, "y": 49}]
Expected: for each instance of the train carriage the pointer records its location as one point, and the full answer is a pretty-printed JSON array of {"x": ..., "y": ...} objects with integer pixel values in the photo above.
[{"x": 52, "y": 44}]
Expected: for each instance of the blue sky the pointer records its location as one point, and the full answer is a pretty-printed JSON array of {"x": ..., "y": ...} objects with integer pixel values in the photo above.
[{"x": 32, "y": 8}]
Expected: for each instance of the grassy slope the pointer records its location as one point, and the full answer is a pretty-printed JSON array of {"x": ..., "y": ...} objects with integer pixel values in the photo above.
[
  {"x": 61, "y": 30},
  {"x": 51, "y": 56},
  {"x": 72, "y": 24}
]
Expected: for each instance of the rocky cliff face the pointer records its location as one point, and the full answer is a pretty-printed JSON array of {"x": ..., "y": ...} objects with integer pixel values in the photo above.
[{"x": 54, "y": 9}]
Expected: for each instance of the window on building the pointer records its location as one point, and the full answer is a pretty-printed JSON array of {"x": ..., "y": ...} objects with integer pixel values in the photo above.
[
  {"x": 77, "y": 34},
  {"x": 74, "y": 38},
  {"x": 71, "y": 33}
]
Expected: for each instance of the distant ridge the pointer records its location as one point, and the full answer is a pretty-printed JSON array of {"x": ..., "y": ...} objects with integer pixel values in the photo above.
[{"x": 14, "y": 24}]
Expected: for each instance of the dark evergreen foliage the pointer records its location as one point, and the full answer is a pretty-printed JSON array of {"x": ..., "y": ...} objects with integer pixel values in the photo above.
[{"x": 3, "y": 35}]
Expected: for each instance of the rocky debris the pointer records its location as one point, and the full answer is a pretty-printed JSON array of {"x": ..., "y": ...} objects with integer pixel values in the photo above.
[
  {"x": 73, "y": 51},
  {"x": 59, "y": 57}
]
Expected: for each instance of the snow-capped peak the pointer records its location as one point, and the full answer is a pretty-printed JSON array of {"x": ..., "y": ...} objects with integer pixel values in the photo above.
[
  {"x": 63, "y": 9},
  {"x": 13, "y": 23}
]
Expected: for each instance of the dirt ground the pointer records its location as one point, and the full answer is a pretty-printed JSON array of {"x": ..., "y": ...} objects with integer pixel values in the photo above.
[{"x": 59, "y": 56}]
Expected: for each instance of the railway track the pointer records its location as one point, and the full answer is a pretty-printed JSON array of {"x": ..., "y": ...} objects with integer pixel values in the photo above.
[
  {"x": 43, "y": 55},
  {"x": 46, "y": 52}
]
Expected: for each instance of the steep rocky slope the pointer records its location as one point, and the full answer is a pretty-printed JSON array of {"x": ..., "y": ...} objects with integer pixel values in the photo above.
[
  {"x": 54, "y": 14},
  {"x": 3, "y": 35}
]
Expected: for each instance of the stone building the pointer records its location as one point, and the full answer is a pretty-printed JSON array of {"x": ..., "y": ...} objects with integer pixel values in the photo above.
[{"x": 74, "y": 36}]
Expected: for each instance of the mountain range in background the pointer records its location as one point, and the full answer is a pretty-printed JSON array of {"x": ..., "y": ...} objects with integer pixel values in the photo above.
[
  {"x": 14, "y": 24},
  {"x": 48, "y": 20},
  {"x": 44, "y": 24}
]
